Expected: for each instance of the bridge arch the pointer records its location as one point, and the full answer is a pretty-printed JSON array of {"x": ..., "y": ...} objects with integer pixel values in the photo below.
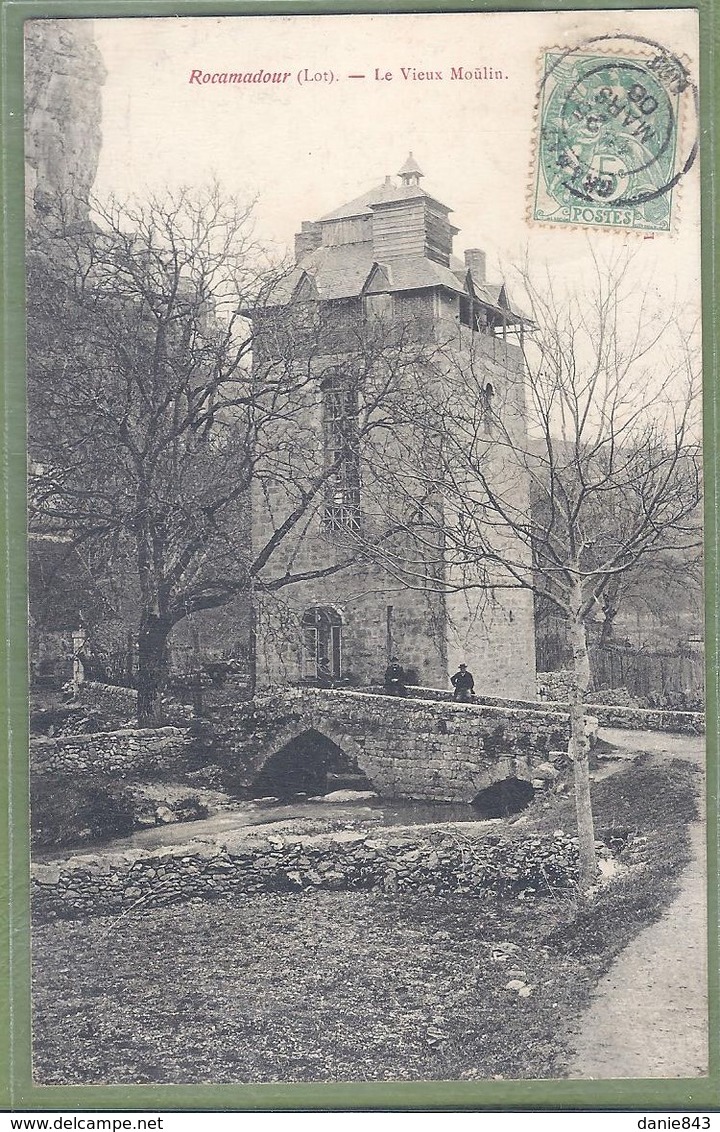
[{"x": 302, "y": 736}]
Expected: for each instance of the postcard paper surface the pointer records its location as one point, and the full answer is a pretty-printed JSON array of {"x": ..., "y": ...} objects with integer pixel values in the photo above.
[{"x": 366, "y": 611}]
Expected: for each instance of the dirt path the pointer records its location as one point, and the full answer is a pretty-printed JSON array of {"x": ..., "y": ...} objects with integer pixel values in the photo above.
[{"x": 649, "y": 1014}]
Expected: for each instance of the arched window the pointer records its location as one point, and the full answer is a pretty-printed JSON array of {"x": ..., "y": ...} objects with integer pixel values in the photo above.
[{"x": 322, "y": 643}]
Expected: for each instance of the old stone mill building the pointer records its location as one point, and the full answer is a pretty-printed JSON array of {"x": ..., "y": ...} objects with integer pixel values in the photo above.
[{"x": 389, "y": 253}]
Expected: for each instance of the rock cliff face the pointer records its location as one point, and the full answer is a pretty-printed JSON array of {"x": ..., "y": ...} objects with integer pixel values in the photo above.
[{"x": 64, "y": 74}]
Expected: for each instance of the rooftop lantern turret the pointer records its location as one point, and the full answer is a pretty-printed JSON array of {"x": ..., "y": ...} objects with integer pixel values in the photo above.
[{"x": 411, "y": 172}]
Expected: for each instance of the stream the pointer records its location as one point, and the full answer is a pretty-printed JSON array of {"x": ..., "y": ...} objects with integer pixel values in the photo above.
[
  {"x": 297, "y": 815},
  {"x": 300, "y": 816}
]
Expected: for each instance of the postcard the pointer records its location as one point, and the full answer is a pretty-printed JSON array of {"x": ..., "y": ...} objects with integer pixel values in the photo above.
[{"x": 365, "y": 551}]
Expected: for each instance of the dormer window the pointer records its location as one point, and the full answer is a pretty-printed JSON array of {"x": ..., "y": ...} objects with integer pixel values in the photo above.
[{"x": 378, "y": 308}]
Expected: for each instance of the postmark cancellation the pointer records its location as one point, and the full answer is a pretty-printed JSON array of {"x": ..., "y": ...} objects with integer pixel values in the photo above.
[{"x": 616, "y": 131}]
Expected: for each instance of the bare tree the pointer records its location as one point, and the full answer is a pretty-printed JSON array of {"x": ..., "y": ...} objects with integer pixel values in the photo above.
[
  {"x": 586, "y": 483},
  {"x": 168, "y": 386},
  {"x": 668, "y": 588}
]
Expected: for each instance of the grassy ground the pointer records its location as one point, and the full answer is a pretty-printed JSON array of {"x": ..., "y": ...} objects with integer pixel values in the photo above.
[{"x": 356, "y": 986}]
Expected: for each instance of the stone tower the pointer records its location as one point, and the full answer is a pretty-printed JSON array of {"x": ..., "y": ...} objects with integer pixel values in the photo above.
[{"x": 390, "y": 252}]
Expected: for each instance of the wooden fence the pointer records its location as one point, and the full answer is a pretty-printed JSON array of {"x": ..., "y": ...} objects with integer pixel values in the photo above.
[{"x": 674, "y": 680}]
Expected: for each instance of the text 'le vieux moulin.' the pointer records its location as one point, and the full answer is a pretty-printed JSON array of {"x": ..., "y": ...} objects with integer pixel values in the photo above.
[{"x": 306, "y": 74}]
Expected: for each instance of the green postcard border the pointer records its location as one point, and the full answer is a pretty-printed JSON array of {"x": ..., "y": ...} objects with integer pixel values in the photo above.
[{"x": 17, "y": 1093}]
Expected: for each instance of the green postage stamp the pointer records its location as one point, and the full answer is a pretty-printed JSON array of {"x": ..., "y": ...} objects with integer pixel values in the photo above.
[{"x": 616, "y": 132}]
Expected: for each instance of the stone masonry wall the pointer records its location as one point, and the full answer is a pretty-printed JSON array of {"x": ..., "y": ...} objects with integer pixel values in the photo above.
[
  {"x": 362, "y": 598},
  {"x": 133, "y": 751},
  {"x": 422, "y": 860},
  {"x": 649, "y": 719},
  {"x": 108, "y": 699},
  {"x": 410, "y": 748},
  {"x": 503, "y": 656}
]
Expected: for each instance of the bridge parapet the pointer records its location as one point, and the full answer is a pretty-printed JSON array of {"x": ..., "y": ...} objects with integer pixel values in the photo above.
[{"x": 417, "y": 748}]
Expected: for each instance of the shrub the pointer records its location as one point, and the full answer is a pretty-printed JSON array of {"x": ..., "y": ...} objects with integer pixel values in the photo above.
[{"x": 65, "y": 812}]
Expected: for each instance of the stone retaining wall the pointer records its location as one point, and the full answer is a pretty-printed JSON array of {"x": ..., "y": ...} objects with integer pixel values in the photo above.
[
  {"x": 108, "y": 699},
  {"x": 423, "y": 860},
  {"x": 135, "y": 751},
  {"x": 649, "y": 719}
]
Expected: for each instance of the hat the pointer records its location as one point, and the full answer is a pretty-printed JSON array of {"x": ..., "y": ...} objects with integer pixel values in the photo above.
[{"x": 463, "y": 665}]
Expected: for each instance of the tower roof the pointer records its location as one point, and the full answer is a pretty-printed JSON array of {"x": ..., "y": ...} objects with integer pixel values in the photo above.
[
  {"x": 392, "y": 238},
  {"x": 362, "y": 205},
  {"x": 410, "y": 169}
]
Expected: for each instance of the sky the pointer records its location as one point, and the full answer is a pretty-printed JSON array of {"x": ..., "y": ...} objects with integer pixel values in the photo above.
[{"x": 302, "y": 148}]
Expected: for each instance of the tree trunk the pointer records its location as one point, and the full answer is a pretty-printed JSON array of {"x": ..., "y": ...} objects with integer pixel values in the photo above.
[
  {"x": 611, "y": 607},
  {"x": 197, "y": 696},
  {"x": 579, "y": 751},
  {"x": 152, "y": 668},
  {"x": 252, "y": 647}
]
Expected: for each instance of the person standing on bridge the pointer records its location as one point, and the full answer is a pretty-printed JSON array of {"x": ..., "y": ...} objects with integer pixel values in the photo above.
[
  {"x": 395, "y": 678},
  {"x": 464, "y": 685}
]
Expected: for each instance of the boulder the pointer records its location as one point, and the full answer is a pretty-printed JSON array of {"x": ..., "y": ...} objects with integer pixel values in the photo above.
[
  {"x": 547, "y": 771},
  {"x": 339, "y": 796},
  {"x": 165, "y": 816}
]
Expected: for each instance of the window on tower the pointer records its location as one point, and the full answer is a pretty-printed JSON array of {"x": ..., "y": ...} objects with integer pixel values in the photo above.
[
  {"x": 488, "y": 395},
  {"x": 322, "y": 643},
  {"x": 342, "y": 453}
]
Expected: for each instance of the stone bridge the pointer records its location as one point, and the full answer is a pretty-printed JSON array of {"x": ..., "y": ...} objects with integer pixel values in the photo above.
[{"x": 407, "y": 747}]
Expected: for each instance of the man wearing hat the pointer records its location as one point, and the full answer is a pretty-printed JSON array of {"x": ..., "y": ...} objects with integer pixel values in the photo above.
[{"x": 463, "y": 684}]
